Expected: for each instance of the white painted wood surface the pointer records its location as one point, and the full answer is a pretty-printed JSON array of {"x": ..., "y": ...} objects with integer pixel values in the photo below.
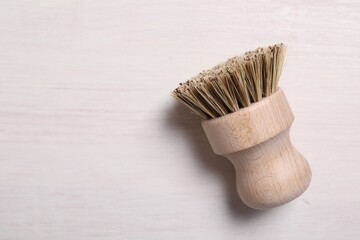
[{"x": 93, "y": 146}]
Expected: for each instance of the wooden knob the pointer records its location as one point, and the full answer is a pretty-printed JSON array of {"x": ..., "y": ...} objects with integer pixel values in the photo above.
[{"x": 269, "y": 170}]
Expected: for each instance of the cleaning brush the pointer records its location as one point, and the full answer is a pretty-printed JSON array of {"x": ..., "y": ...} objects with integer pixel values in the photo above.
[{"x": 247, "y": 119}]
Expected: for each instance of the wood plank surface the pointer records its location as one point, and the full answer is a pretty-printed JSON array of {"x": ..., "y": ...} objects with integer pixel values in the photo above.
[{"x": 92, "y": 146}]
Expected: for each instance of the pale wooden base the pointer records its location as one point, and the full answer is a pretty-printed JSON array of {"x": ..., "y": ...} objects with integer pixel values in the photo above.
[{"x": 269, "y": 170}]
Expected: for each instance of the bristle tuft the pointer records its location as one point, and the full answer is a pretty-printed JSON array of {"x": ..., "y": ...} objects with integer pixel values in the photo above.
[{"x": 234, "y": 84}]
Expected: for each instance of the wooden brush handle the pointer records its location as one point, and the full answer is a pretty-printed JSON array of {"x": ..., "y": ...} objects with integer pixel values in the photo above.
[{"x": 269, "y": 170}]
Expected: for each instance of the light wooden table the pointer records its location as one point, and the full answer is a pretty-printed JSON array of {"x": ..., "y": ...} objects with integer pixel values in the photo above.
[{"x": 93, "y": 146}]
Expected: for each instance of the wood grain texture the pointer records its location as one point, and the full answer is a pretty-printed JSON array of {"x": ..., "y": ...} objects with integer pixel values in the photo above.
[
  {"x": 271, "y": 173},
  {"x": 92, "y": 146},
  {"x": 269, "y": 170},
  {"x": 249, "y": 126}
]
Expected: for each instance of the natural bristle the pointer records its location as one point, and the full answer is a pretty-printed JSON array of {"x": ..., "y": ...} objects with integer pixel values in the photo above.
[{"x": 233, "y": 84}]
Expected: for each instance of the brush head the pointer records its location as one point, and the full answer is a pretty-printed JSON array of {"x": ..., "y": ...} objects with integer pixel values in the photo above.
[{"x": 233, "y": 84}]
